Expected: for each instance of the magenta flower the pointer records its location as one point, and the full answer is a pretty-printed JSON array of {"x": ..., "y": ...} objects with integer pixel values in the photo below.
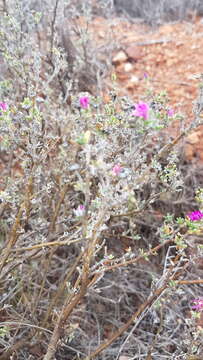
[
  {"x": 3, "y": 106},
  {"x": 117, "y": 170},
  {"x": 84, "y": 102},
  {"x": 145, "y": 75},
  {"x": 170, "y": 112},
  {"x": 198, "y": 304},
  {"x": 80, "y": 211},
  {"x": 142, "y": 110},
  {"x": 195, "y": 215}
]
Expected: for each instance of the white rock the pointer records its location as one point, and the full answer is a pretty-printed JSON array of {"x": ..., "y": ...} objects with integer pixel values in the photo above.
[
  {"x": 128, "y": 67},
  {"x": 119, "y": 58}
]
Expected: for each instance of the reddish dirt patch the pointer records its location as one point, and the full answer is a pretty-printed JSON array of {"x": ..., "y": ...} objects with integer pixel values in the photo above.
[{"x": 170, "y": 55}]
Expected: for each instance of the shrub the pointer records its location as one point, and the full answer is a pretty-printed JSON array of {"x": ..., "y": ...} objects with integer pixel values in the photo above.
[{"x": 96, "y": 248}]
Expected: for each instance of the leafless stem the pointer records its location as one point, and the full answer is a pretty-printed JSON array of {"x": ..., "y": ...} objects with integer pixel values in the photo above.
[
  {"x": 53, "y": 27},
  {"x": 135, "y": 318}
]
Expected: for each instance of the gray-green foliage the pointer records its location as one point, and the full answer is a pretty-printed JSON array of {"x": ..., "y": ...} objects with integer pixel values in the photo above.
[{"x": 52, "y": 249}]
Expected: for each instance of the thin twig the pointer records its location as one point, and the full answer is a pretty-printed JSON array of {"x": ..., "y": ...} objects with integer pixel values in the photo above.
[
  {"x": 132, "y": 261},
  {"x": 46, "y": 244},
  {"x": 83, "y": 279},
  {"x": 53, "y": 27},
  {"x": 135, "y": 318},
  {"x": 61, "y": 289},
  {"x": 14, "y": 236}
]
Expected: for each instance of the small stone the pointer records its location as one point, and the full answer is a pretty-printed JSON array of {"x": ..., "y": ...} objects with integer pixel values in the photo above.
[
  {"x": 101, "y": 34},
  {"x": 119, "y": 58},
  {"x": 134, "y": 53},
  {"x": 132, "y": 82},
  {"x": 134, "y": 79},
  {"x": 128, "y": 67},
  {"x": 193, "y": 138}
]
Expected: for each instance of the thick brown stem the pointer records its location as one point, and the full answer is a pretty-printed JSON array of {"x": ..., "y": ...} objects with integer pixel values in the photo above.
[{"x": 65, "y": 313}]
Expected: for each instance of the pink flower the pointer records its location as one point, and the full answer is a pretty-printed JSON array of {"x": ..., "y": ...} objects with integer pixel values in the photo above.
[
  {"x": 84, "y": 102},
  {"x": 170, "y": 112},
  {"x": 142, "y": 110},
  {"x": 117, "y": 170},
  {"x": 195, "y": 215},
  {"x": 80, "y": 211},
  {"x": 198, "y": 304},
  {"x": 3, "y": 106}
]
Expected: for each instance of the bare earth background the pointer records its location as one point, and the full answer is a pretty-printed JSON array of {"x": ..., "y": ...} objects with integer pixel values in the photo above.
[{"x": 170, "y": 55}]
